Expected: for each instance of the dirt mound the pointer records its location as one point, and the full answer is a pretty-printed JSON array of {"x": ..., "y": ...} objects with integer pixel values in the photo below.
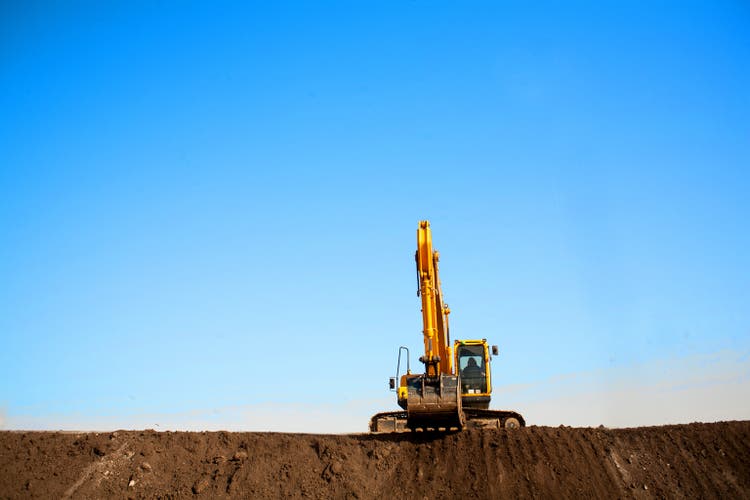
[{"x": 696, "y": 460}]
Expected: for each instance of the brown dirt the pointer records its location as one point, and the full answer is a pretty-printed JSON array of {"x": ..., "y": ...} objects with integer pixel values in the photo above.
[{"x": 680, "y": 461}]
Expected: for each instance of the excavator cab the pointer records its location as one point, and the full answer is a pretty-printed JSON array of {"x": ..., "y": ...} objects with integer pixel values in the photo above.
[{"x": 473, "y": 364}]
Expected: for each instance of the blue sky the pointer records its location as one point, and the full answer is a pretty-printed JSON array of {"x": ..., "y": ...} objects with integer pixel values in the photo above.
[{"x": 213, "y": 206}]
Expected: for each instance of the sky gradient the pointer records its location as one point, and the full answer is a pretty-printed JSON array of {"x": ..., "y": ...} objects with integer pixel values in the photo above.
[{"x": 214, "y": 206}]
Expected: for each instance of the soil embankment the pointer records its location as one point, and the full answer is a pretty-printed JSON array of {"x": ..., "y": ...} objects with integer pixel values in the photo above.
[{"x": 680, "y": 461}]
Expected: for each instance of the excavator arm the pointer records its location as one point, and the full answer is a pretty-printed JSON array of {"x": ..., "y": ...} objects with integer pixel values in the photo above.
[
  {"x": 432, "y": 400},
  {"x": 438, "y": 353}
]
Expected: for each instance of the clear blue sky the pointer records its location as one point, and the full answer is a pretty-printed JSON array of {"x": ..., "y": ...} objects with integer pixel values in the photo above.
[{"x": 211, "y": 205}]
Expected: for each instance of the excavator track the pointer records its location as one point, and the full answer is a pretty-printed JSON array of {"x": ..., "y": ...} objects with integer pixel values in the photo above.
[{"x": 396, "y": 421}]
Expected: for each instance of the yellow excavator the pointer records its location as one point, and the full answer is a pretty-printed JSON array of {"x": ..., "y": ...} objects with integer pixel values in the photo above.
[{"x": 455, "y": 389}]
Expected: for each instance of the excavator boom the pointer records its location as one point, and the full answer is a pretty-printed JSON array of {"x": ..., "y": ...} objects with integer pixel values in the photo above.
[{"x": 434, "y": 311}]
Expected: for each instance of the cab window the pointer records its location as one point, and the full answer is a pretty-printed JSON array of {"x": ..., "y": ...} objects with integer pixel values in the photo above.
[{"x": 472, "y": 369}]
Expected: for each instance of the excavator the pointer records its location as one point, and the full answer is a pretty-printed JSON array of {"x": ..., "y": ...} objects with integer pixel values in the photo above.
[{"x": 455, "y": 389}]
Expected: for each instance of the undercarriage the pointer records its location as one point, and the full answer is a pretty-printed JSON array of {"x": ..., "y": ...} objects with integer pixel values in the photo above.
[{"x": 397, "y": 421}]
